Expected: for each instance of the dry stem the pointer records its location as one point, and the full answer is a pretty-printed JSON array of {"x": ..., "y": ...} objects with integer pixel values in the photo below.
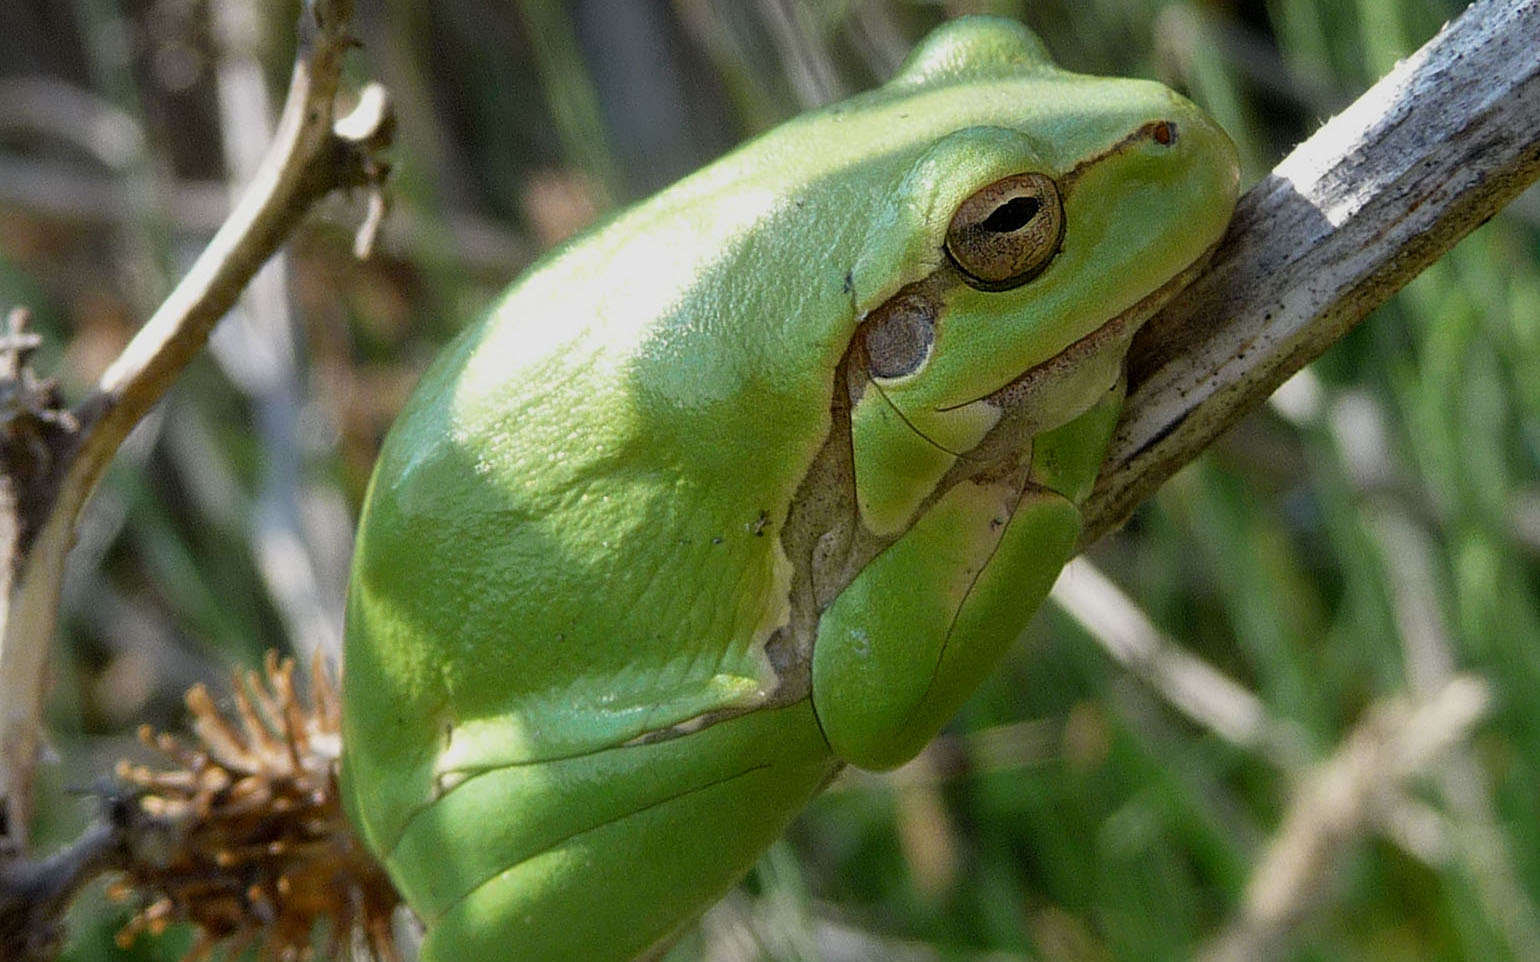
[
  {"x": 312, "y": 154},
  {"x": 1354, "y": 213},
  {"x": 1187, "y": 682},
  {"x": 1359, "y": 787}
]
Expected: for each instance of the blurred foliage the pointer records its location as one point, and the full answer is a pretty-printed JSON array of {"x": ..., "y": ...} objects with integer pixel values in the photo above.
[{"x": 1390, "y": 497}]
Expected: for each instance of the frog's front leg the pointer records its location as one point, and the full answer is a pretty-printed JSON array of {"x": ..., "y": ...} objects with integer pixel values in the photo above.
[{"x": 908, "y": 641}]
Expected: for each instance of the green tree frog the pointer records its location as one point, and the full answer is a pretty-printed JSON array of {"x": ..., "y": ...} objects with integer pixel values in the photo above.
[{"x": 755, "y": 480}]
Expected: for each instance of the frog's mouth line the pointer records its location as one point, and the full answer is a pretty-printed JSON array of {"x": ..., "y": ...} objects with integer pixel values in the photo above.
[
  {"x": 823, "y": 517},
  {"x": 1120, "y": 327}
]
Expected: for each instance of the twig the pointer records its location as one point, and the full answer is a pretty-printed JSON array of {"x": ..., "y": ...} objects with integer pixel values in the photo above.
[
  {"x": 258, "y": 346},
  {"x": 70, "y": 114},
  {"x": 1472, "y": 832},
  {"x": 57, "y": 191},
  {"x": 1470, "y": 835},
  {"x": 313, "y": 153},
  {"x": 804, "y": 55},
  {"x": 1378, "y": 193},
  {"x": 35, "y": 895},
  {"x": 1360, "y": 786},
  {"x": 1187, "y": 682},
  {"x": 1476, "y": 835}
]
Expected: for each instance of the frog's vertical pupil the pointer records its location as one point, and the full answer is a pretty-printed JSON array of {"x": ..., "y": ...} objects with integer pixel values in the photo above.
[
  {"x": 1164, "y": 133},
  {"x": 1012, "y": 215}
]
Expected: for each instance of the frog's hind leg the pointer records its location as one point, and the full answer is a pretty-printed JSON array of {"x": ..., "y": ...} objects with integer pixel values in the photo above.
[{"x": 602, "y": 857}]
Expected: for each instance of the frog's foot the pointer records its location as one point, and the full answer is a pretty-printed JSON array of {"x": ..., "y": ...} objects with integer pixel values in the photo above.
[{"x": 902, "y": 647}]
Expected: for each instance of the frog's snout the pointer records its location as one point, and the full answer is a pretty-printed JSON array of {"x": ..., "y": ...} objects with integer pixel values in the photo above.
[{"x": 1206, "y": 150}]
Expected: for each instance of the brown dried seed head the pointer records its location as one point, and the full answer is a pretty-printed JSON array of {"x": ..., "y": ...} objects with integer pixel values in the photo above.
[{"x": 244, "y": 834}]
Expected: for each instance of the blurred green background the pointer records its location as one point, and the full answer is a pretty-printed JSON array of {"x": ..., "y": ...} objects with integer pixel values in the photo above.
[{"x": 1333, "y": 560}]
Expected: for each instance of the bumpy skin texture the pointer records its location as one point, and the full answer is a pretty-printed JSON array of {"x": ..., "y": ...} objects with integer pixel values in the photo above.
[{"x": 651, "y": 553}]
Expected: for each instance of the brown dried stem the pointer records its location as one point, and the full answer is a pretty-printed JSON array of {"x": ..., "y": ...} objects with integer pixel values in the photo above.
[{"x": 313, "y": 153}]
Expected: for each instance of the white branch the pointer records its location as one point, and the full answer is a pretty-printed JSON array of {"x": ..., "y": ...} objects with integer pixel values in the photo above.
[
  {"x": 1187, "y": 682},
  {"x": 1378, "y": 193}
]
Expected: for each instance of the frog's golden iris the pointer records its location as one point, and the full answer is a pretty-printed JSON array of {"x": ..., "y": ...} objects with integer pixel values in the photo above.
[{"x": 1005, "y": 235}]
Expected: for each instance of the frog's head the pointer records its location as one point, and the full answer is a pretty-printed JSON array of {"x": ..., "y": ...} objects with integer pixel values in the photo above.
[{"x": 1012, "y": 261}]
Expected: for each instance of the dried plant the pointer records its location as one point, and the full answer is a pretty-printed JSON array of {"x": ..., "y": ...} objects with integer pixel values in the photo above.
[{"x": 244, "y": 834}]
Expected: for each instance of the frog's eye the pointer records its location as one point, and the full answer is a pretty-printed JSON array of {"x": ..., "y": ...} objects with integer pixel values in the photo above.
[{"x": 1004, "y": 235}]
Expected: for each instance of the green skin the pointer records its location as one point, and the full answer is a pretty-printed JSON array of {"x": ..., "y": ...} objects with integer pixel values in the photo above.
[{"x": 651, "y": 552}]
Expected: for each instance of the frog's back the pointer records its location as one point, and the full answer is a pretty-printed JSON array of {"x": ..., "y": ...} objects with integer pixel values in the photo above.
[{"x": 571, "y": 538}]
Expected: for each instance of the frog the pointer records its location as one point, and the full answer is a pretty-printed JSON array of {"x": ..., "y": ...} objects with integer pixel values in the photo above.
[{"x": 756, "y": 480}]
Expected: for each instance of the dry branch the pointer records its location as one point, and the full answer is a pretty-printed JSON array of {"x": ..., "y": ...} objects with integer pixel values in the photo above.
[
  {"x": 1354, "y": 213},
  {"x": 313, "y": 153},
  {"x": 1360, "y": 786},
  {"x": 489, "y": 251},
  {"x": 1187, "y": 683}
]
